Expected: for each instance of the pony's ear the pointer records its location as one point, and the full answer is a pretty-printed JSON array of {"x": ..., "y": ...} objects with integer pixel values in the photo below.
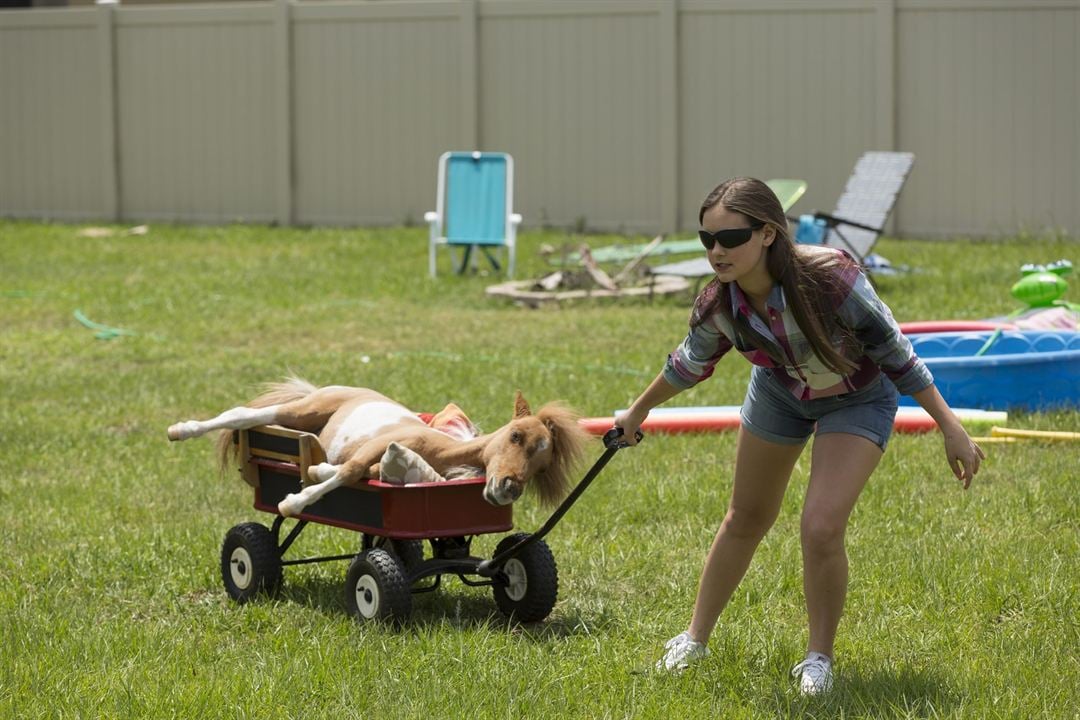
[
  {"x": 553, "y": 428},
  {"x": 521, "y": 406},
  {"x": 568, "y": 440}
]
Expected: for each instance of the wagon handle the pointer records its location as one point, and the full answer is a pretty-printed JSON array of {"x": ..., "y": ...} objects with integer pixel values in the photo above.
[
  {"x": 613, "y": 442},
  {"x": 613, "y": 438}
]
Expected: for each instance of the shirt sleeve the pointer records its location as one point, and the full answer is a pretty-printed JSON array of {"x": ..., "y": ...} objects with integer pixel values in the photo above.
[
  {"x": 694, "y": 360},
  {"x": 881, "y": 339}
]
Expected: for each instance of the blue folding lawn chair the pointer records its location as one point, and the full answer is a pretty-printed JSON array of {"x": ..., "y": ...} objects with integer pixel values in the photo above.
[{"x": 474, "y": 208}]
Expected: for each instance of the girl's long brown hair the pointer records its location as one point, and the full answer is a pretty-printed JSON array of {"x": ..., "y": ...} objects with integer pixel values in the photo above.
[{"x": 810, "y": 281}]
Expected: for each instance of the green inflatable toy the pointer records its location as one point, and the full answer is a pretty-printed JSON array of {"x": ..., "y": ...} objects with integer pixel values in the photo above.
[
  {"x": 1040, "y": 286},
  {"x": 1043, "y": 285}
]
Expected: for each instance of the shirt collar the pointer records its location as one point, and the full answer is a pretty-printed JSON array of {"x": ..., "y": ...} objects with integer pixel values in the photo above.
[{"x": 740, "y": 304}]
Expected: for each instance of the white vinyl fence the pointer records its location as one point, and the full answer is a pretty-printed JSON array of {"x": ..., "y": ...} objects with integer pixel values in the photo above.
[{"x": 620, "y": 114}]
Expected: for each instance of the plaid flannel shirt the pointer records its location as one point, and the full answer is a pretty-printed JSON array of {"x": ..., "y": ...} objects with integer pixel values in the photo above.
[{"x": 884, "y": 348}]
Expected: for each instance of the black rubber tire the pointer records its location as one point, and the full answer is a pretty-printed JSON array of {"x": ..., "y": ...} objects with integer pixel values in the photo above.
[
  {"x": 250, "y": 562},
  {"x": 533, "y": 581},
  {"x": 409, "y": 552},
  {"x": 376, "y": 588}
]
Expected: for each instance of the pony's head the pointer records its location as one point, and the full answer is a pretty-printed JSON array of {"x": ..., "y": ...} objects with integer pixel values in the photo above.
[{"x": 538, "y": 450}]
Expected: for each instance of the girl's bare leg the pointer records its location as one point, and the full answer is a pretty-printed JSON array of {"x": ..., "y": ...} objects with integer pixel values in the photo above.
[
  {"x": 840, "y": 466},
  {"x": 762, "y": 471}
]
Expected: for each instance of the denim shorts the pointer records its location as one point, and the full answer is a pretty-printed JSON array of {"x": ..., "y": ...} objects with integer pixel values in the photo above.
[{"x": 772, "y": 413}]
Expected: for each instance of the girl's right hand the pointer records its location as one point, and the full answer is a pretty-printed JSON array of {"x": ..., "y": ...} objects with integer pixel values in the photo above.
[
  {"x": 659, "y": 391},
  {"x": 630, "y": 422}
]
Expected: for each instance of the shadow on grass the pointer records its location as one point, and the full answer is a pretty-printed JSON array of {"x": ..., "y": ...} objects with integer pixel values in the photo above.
[
  {"x": 452, "y": 604},
  {"x": 474, "y": 611},
  {"x": 321, "y": 592},
  {"x": 903, "y": 693},
  {"x": 457, "y": 607}
]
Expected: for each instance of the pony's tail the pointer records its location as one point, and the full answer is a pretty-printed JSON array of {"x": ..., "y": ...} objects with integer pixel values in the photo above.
[{"x": 277, "y": 393}]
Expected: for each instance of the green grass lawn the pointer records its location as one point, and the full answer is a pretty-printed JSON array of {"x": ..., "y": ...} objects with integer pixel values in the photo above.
[{"x": 962, "y": 604}]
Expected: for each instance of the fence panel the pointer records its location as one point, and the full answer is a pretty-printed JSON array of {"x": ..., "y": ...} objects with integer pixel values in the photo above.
[
  {"x": 195, "y": 108},
  {"x": 989, "y": 102},
  {"x": 621, "y": 114},
  {"x": 376, "y": 101},
  {"x": 51, "y": 124},
  {"x": 571, "y": 91},
  {"x": 775, "y": 92}
]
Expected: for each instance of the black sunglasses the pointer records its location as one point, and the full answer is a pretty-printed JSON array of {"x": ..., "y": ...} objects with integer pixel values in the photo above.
[{"x": 730, "y": 238}]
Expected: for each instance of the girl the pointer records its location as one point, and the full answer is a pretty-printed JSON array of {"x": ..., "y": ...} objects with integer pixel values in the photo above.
[{"x": 828, "y": 359}]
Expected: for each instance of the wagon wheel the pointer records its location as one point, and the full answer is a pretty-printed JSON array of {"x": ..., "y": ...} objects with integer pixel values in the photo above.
[
  {"x": 409, "y": 552},
  {"x": 250, "y": 562},
  {"x": 376, "y": 589},
  {"x": 531, "y": 581}
]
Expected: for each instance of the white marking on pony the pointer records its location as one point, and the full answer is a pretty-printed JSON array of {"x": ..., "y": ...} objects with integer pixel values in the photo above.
[
  {"x": 401, "y": 466},
  {"x": 463, "y": 472},
  {"x": 322, "y": 472},
  {"x": 367, "y": 420},
  {"x": 239, "y": 418}
]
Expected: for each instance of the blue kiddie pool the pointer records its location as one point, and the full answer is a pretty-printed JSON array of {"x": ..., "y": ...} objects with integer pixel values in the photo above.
[{"x": 1020, "y": 370}]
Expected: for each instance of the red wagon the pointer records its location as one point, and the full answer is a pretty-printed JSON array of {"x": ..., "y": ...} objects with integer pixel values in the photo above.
[{"x": 394, "y": 522}]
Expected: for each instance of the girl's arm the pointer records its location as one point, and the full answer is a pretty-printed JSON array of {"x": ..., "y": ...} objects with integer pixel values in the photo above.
[
  {"x": 962, "y": 453},
  {"x": 874, "y": 327},
  {"x": 690, "y": 363},
  {"x": 659, "y": 391}
]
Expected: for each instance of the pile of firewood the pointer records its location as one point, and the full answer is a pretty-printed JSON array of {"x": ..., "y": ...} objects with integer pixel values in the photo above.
[{"x": 590, "y": 280}]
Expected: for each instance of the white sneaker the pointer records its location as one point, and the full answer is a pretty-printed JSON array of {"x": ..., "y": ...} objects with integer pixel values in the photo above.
[
  {"x": 815, "y": 673},
  {"x": 679, "y": 652}
]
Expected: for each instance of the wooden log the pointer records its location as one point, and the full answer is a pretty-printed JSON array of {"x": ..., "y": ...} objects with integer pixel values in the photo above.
[{"x": 627, "y": 272}]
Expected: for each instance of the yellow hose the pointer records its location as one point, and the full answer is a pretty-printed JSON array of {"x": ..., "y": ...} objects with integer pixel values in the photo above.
[{"x": 996, "y": 431}]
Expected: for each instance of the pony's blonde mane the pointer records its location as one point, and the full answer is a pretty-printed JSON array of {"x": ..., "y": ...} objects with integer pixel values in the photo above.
[
  {"x": 273, "y": 393},
  {"x": 568, "y": 441}
]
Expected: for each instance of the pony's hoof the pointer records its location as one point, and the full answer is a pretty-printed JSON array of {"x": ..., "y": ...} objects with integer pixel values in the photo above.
[
  {"x": 289, "y": 507},
  {"x": 179, "y": 432}
]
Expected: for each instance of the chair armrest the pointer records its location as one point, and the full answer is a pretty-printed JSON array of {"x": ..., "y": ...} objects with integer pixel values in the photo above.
[
  {"x": 515, "y": 218},
  {"x": 431, "y": 216},
  {"x": 832, "y": 221}
]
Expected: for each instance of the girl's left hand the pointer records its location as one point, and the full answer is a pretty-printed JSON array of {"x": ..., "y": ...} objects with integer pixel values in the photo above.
[{"x": 963, "y": 455}]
